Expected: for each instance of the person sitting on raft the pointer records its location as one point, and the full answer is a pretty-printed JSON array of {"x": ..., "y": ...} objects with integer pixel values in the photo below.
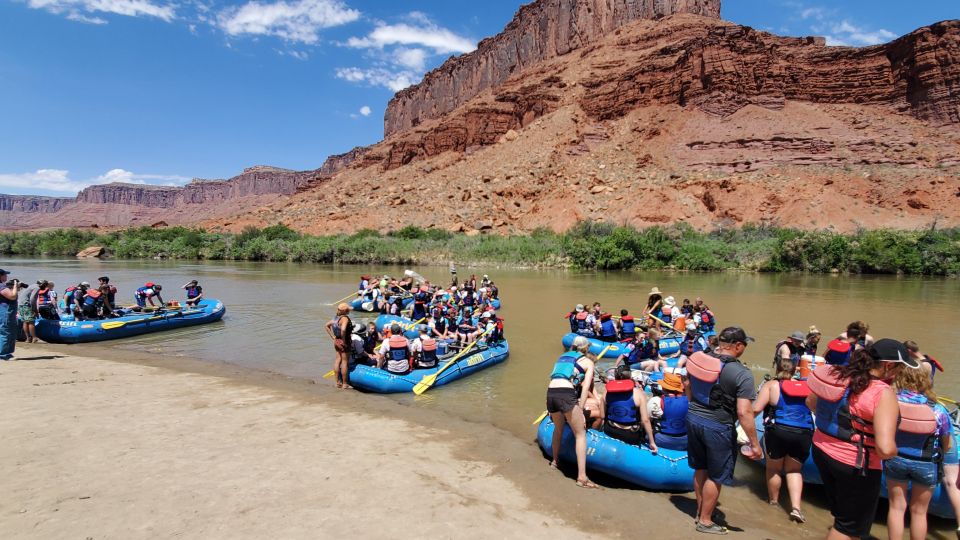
[
  {"x": 686, "y": 309},
  {"x": 928, "y": 364},
  {"x": 812, "y": 343},
  {"x": 570, "y": 383},
  {"x": 669, "y": 411},
  {"x": 194, "y": 293},
  {"x": 606, "y": 329},
  {"x": 693, "y": 341},
  {"x": 466, "y": 330},
  {"x": 111, "y": 293},
  {"x": 791, "y": 349},
  {"x": 47, "y": 302},
  {"x": 582, "y": 322},
  {"x": 394, "y": 354},
  {"x": 628, "y": 326},
  {"x": 421, "y": 300},
  {"x": 147, "y": 293},
  {"x": 358, "y": 347},
  {"x": 424, "y": 350},
  {"x": 858, "y": 334},
  {"x": 95, "y": 303},
  {"x": 645, "y": 354},
  {"x": 626, "y": 410},
  {"x": 669, "y": 312},
  {"x": 788, "y": 433}
]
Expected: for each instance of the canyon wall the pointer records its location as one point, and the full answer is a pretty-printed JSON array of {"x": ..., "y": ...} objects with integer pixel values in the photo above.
[{"x": 539, "y": 31}]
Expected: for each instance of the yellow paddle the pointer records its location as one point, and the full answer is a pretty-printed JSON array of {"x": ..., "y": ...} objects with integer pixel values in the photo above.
[
  {"x": 599, "y": 356},
  {"x": 428, "y": 381},
  {"x": 110, "y": 325},
  {"x": 331, "y": 373},
  {"x": 947, "y": 401},
  {"x": 344, "y": 299}
]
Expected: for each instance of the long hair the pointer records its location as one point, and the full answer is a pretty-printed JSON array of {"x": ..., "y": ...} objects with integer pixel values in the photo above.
[
  {"x": 857, "y": 372},
  {"x": 915, "y": 380},
  {"x": 785, "y": 369},
  {"x": 654, "y": 298}
]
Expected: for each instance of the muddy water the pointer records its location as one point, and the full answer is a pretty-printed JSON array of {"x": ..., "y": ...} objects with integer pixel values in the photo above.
[{"x": 275, "y": 314}]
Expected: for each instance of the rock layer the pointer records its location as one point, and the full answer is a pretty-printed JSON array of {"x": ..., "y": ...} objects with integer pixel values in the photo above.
[{"x": 539, "y": 31}]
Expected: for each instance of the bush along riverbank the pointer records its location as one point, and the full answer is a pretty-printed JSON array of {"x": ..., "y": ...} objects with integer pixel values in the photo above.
[{"x": 587, "y": 245}]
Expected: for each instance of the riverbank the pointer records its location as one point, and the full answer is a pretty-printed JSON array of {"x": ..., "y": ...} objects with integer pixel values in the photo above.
[
  {"x": 587, "y": 245},
  {"x": 119, "y": 446}
]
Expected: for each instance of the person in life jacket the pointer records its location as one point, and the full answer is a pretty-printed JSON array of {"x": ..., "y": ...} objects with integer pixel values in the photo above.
[
  {"x": 466, "y": 329},
  {"x": 358, "y": 347},
  {"x": 669, "y": 311},
  {"x": 77, "y": 299},
  {"x": 582, "y": 322},
  {"x": 928, "y": 364},
  {"x": 194, "y": 292},
  {"x": 47, "y": 302},
  {"x": 340, "y": 329},
  {"x": 111, "y": 293},
  {"x": 394, "y": 354},
  {"x": 371, "y": 339},
  {"x": 693, "y": 341},
  {"x": 626, "y": 411},
  {"x": 363, "y": 285},
  {"x": 645, "y": 354},
  {"x": 571, "y": 382},
  {"x": 669, "y": 411},
  {"x": 721, "y": 392},
  {"x": 628, "y": 326},
  {"x": 924, "y": 436},
  {"x": 70, "y": 295},
  {"x": 838, "y": 353},
  {"x": 812, "y": 343},
  {"x": 788, "y": 433},
  {"x": 607, "y": 329},
  {"x": 94, "y": 304},
  {"x": 858, "y": 334},
  {"x": 147, "y": 293},
  {"x": 654, "y": 305},
  {"x": 421, "y": 300},
  {"x": 856, "y": 423},
  {"x": 424, "y": 350},
  {"x": 485, "y": 282},
  {"x": 494, "y": 291},
  {"x": 686, "y": 309},
  {"x": 791, "y": 349}
]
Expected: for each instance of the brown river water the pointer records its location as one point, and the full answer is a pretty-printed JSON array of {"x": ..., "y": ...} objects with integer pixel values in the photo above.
[{"x": 276, "y": 312}]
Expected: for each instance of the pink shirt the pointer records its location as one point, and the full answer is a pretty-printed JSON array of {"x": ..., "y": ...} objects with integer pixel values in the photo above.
[{"x": 862, "y": 405}]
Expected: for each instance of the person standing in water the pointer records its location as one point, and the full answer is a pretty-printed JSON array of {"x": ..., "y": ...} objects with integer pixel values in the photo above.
[
  {"x": 567, "y": 393},
  {"x": 340, "y": 329}
]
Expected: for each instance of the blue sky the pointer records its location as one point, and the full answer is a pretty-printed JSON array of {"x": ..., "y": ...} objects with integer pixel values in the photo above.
[{"x": 161, "y": 91}]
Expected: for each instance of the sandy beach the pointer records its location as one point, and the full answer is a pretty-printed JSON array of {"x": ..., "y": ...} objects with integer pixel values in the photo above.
[{"x": 107, "y": 448}]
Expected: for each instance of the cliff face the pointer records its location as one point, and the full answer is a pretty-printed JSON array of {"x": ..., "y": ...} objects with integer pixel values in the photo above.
[
  {"x": 539, "y": 31},
  {"x": 31, "y": 204}
]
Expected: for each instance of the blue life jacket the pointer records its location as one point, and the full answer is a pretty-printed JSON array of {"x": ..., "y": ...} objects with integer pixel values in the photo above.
[
  {"x": 581, "y": 322},
  {"x": 833, "y": 416},
  {"x": 428, "y": 352},
  {"x": 572, "y": 319},
  {"x": 795, "y": 352},
  {"x": 142, "y": 290},
  {"x": 674, "y": 419},
  {"x": 399, "y": 350},
  {"x": 704, "y": 371},
  {"x": 465, "y": 325},
  {"x": 468, "y": 299},
  {"x": 645, "y": 351},
  {"x": 690, "y": 345},
  {"x": 628, "y": 329},
  {"x": 608, "y": 329},
  {"x": 193, "y": 292},
  {"x": 568, "y": 368},
  {"x": 620, "y": 406},
  {"x": 422, "y": 297},
  {"x": 665, "y": 316},
  {"x": 917, "y": 436},
  {"x": 791, "y": 410}
]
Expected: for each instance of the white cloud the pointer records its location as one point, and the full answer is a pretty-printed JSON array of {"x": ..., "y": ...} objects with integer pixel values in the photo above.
[
  {"x": 59, "y": 181},
  {"x": 365, "y": 110},
  {"x": 81, "y": 10},
  {"x": 298, "y": 21},
  {"x": 838, "y": 31},
  {"x": 400, "y": 53}
]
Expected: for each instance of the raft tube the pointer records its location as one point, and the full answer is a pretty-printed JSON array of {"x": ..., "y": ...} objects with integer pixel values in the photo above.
[
  {"x": 939, "y": 505},
  {"x": 357, "y": 305},
  {"x": 381, "y": 381},
  {"x": 665, "y": 471},
  {"x": 132, "y": 324}
]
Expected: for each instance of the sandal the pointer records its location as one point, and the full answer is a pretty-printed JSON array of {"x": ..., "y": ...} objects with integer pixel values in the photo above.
[
  {"x": 346, "y": 387},
  {"x": 587, "y": 484},
  {"x": 554, "y": 465},
  {"x": 713, "y": 528},
  {"x": 797, "y": 515}
]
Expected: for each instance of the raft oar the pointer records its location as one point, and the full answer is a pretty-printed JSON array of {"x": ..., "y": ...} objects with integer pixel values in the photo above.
[
  {"x": 119, "y": 324},
  {"x": 599, "y": 356},
  {"x": 428, "y": 381},
  {"x": 331, "y": 373},
  {"x": 344, "y": 299}
]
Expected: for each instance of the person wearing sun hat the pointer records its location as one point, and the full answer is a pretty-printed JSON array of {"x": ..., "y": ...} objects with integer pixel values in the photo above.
[
  {"x": 812, "y": 342},
  {"x": 8, "y": 315},
  {"x": 670, "y": 410},
  {"x": 791, "y": 349},
  {"x": 850, "y": 457},
  {"x": 654, "y": 304},
  {"x": 340, "y": 330}
]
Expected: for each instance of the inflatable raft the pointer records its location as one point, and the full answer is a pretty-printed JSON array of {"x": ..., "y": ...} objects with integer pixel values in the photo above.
[
  {"x": 130, "y": 324},
  {"x": 665, "y": 471},
  {"x": 668, "y": 346},
  {"x": 379, "y": 380},
  {"x": 364, "y": 306},
  {"x": 410, "y": 330},
  {"x": 939, "y": 505}
]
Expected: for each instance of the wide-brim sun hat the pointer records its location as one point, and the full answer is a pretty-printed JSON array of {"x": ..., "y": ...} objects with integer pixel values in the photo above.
[
  {"x": 798, "y": 335},
  {"x": 672, "y": 382},
  {"x": 891, "y": 350},
  {"x": 669, "y": 301},
  {"x": 654, "y": 291}
]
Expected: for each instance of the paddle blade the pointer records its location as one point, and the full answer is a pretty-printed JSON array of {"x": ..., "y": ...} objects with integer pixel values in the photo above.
[
  {"x": 112, "y": 324},
  {"x": 425, "y": 384},
  {"x": 329, "y": 374},
  {"x": 540, "y": 418}
]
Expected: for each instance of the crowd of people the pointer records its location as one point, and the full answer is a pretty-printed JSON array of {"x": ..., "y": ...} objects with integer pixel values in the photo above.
[
  {"x": 444, "y": 317},
  {"x": 867, "y": 409},
  {"x": 23, "y": 304}
]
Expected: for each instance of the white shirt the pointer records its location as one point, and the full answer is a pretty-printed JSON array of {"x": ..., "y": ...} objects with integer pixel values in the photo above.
[{"x": 655, "y": 406}]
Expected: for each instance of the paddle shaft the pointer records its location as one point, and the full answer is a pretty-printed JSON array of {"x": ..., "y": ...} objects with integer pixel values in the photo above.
[
  {"x": 428, "y": 381},
  {"x": 599, "y": 356}
]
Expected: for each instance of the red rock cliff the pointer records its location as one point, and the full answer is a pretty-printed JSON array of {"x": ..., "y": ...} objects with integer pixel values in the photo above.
[{"x": 539, "y": 31}]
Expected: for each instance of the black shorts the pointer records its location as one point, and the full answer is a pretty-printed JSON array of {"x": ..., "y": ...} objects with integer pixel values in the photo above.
[
  {"x": 712, "y": 447},
  {"x": 629, "y": 436},
  {"x": 786, "y": 441},
  {"x": 852, "y": 497},
  {"x": 561, "y": 400}
]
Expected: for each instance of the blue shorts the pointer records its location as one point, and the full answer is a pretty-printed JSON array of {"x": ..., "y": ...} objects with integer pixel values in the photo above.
[
  {"x": 899, "y": 469},
  {"x": 711, "y": 446},
  {"x": 951, "y": 457}
]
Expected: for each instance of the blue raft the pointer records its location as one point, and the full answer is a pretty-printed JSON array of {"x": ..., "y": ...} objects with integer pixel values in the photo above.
[
  {"x": 357, "y": 305},
  {"x": 939, "y": 505},
  {"x": 133, "y": 324},
  {"x": 381, "y": 381},
  {"x": 665, "y": 471},
  {"x": 410, "y": 330},
  {"x": 667, "y": 346}
]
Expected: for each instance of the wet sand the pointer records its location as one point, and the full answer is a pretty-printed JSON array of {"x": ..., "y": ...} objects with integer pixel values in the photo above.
[{"x": 153, "y": 447}]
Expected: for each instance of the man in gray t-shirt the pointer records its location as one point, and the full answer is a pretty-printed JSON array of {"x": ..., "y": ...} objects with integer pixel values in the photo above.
[
  {"x": 27, "y": 309},
  {"x": 711, "y": 426}
]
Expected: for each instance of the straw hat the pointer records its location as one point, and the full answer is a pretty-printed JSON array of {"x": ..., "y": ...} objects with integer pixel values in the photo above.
[
  {"x": 669, "y": 301},
  {"x": 654, "y": 291},
  {"x": 672, "y": 383},
  {"x": 814, "y": 331}
]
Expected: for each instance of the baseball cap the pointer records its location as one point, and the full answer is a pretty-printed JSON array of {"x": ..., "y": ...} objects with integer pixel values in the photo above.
[
  {"x": 735, "y": 334},
  {"x": 579, "y": 307},
  {"x": 84, "y": 283},
  {"x": 798, "y": 335},
  {"x": 3, "y": 272},
  {"x": 891, "y": 350}
]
